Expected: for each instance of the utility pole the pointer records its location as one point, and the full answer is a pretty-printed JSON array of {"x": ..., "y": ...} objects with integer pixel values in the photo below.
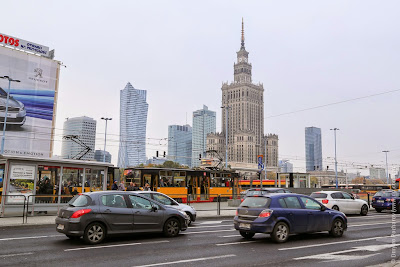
[
  {"x": 337, "y": 184},
  {"x": 226, "y": 134},
  {"x": 387, "y": 166},
  {"x": 105, "y": 138}
]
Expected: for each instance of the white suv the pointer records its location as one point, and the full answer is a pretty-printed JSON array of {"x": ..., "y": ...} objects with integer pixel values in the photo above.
[
  {"x": 168, "y": 201},
  {"x": 341, "y": 201}
]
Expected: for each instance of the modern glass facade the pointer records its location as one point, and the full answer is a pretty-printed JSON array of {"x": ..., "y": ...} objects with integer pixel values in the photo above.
[
  {"x": 133, "y": 122},
  {"x": 313, "y": 149},
  {"x": 99, "y": 156},
  {"x": 204, "y": 122},
  {"x": 180, "y": 144},
  {"x": 84, "y": 128}
]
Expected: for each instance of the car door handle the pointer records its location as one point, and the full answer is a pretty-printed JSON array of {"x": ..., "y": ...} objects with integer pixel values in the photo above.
[
  {"x": 107, "y": 211},
  {"x": 137, "y": 212}
]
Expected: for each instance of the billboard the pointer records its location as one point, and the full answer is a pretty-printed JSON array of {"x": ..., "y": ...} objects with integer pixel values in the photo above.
[{"x": 31, "y": 104}]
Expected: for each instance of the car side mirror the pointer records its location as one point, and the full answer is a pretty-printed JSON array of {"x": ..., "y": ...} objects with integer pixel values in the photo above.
[
  {"x": 154, "y": 208},
  {"x": 323, "y": 208}
]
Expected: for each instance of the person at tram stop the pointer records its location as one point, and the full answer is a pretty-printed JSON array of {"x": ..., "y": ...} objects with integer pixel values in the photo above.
[
  {"x": 161, "y": 183},
  {"x": 114, "y": 186},
  {"x": 146, "y": 187},
  {"x": 135, "y": 187},
  {"x": 130, "y": 187},
  {"x": 121, "y": 186}
]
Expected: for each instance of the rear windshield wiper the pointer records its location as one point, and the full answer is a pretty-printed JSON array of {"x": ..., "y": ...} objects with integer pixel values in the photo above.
[
  {"x": 245, "y": 206},
  {"x": 71, "y": 205}
]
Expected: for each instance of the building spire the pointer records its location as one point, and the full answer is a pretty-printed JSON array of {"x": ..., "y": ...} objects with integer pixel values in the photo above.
[{"x": 242, "y": 39}]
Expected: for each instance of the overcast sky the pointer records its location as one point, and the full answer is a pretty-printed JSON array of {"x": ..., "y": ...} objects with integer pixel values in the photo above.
[{"x": 306, "y": 53}]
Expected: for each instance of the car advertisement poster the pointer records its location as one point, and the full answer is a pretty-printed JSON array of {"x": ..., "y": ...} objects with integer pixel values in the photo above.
[{"x": 31, "y": 103}]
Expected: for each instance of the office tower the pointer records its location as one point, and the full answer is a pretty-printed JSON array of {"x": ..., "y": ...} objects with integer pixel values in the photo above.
[
  {"x": 313, "y": 149},
  {"x": 180, "y": 144},
  {"x": 204, "y": 122},
  {"x": 83, "y": 130},
  {"x": 133, "y": 122},
  {"x": 99, "y": 156}
]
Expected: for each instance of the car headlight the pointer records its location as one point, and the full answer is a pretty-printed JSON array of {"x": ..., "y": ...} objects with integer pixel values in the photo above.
[{"x": 22, "y": 107}]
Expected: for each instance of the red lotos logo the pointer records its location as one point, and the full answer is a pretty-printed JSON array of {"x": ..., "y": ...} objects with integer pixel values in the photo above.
[{"x": 9, "y": 40}]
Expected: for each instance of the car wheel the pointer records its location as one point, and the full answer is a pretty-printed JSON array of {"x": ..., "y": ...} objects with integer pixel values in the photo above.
[
  {"x": 337, "y": 229},
  {"x": 280, "y": 234},
  {"x": 247, "y": 235},
  {"x": 190, "y": 218},
  {"x": 364, "y": 210},
  {"x": 378, "y": 210},
  {"x": 171, "y": 227},
  {"x": 94, "y": 233},
  {"x": 335, "y": 208},
  {"x": 73, "y": 237}
]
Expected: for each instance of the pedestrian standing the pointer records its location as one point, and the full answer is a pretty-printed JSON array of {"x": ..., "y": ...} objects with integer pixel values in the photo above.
[
  {"x": 130, "y": 187},
  {"x": 114, "y": 186},
  {"x": 121, "y": 186},
  {"x": 146, "y": 187}
]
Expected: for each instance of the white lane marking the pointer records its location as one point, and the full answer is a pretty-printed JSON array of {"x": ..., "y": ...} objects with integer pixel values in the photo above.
[
  {"x": 368, "y": 224},
  {"x": 236, "y": 243},
  {"x": 117, "y": 245},
  {"x": 231, "y": 236},
  {"x": 191, "y": 260},
  {"x": 201, "y": 232},
  {"x": 210, "y": 222},
  {"x": 212, "y": 226},
  {"x": 19, "y": 254},
  {"x": 28, "y": 237},
  {"x": 339, "y": 242}
]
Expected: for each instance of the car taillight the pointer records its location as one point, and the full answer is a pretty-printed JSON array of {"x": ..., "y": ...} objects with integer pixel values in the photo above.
[
  {"x": 237, "y": 213},
  {"x": 79, "y": 213},
  {"x": 373, "y": 199},
  {"x": 242, "y": 200},
  {"x": 265, "y": 213},
  {"x": 325, "y": 201},
  {"x": 389, "y": 200}
]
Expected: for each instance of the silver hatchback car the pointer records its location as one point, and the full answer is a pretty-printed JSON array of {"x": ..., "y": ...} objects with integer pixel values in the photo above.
[{"x": 95, "y": 215}]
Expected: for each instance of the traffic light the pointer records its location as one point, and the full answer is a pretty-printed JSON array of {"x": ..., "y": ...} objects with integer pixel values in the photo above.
[
  {"x": 199, "y": 156},
  {"x": 157, "y": 154},
  {"x": 164, "y": 154}
]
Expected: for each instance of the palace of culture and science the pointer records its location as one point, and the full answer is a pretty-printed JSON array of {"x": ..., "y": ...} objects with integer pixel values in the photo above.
[{"x": 244, "y": 102}]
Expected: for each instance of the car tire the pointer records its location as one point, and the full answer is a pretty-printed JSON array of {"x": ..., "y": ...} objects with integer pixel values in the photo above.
[
  {"x": 364, "y": 210},
  {"x": 378, "y": 210},
  {"x": 94, "y": 233},
  {"x": 335, "y": 208},
  {"x": 337, "y": 228},
  {"x": 73, "y": 237},
  {"x": 190, "y": 218},
  {"x": 247, "y": 235},
  {"x": 280, "y": 234},
  {"x": 172, "y": 227}
]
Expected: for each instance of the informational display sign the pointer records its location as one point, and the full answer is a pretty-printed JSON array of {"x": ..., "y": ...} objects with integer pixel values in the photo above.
[
  {"x": 26, "y": 172},
  {"x": 22, "y": 181},
  {"x": 32, "y": 101},
  {"x": 15, "y": 42}
]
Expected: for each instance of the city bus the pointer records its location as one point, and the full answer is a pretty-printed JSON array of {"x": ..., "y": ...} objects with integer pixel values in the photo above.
[{"x": 181, "y": 184}]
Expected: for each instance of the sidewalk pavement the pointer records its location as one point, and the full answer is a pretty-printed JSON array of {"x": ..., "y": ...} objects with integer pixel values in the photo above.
[{"x": 204, "y": 211}]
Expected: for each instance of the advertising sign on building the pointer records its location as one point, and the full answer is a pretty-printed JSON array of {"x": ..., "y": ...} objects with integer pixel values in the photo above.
[
  {"x": 31, "y": 104},
  {"x": 18, "y": 43}
]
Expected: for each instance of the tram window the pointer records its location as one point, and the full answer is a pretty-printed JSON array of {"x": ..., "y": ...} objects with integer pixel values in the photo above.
[
  {"x": 219, "y": 182},
  {"x": 48, "y": 180},
  {"x": 94, "y": 179}
]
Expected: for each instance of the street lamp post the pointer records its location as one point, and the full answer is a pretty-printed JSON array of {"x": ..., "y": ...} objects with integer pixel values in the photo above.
[
  {"x": 226, "y": 134},
  {"x": 387, "y": 167},
  {"x": 337, "y": 185},
  {"x": 105, "y": 138},
  {"x": 5, "y": 115}
]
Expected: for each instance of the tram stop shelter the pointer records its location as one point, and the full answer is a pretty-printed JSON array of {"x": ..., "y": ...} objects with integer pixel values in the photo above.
[{"x": 42, "y": 185}]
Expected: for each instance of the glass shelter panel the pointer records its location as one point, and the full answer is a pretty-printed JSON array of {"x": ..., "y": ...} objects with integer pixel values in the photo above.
[
  {"x": 94, "y": 179},
  {"x": 72, "y": 180},
  {"x": 48, "y": 180}
]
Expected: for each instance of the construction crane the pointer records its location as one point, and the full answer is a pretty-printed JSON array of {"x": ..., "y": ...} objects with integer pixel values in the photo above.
[{"x": 85, "y": 148}]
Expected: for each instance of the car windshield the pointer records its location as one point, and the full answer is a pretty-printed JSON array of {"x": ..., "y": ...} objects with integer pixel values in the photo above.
[
  {"x": 79, "y": 201},
  {"x": 2, "y": 92},
  {"x": 318, "y": 195},
  {"x": 387, "y": 194},
  {"x": 256, "y": 202}
]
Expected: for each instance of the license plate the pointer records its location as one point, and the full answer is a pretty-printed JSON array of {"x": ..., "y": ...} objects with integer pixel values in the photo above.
[
  {"x": 60, "y": 227},
  {"x": 380, "y": 201},
  {"x": 11, "y": 115},
  {"x": 244, "y": 225}
]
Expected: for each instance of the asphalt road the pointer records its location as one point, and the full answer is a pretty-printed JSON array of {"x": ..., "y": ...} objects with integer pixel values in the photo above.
[{"x": 207, "y": 243}]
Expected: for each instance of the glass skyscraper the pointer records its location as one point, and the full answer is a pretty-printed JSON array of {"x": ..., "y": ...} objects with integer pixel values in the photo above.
[
  {"x": 133, "y": 122},
  {"x": 180, "y": 144},
  {"x": 313, "y": 149},
  {"x": 204, "y": 122}
]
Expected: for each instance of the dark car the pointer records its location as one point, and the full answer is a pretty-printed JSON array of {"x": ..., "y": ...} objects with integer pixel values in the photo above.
[
  {"x": 264, "y": 191},
  {"x": 16, "y": 113},
  {"x": 384, "y": 199},
  {"x": 98, "y": 214},
  {"x": 282, "y": 214}
]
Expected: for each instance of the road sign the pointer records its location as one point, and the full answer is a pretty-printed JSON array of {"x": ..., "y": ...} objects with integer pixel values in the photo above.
[{"x": 260, "y": 162}]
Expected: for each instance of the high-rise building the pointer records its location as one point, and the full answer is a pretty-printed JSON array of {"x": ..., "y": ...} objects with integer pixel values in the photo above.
[
  {"x": 180, "y": 144},
  {"x": 99, "y": 156},
  {"x": 243, "y": 108},
  {"x": 204, "y": 122},
  {"x": 84, "y": 130},
  {"x": 285, "y": 166},
  {"x": 313, "y": 149},
  {"x": 377, "y": 173},
  {"x": 133, "y": 122},
  {"x": 272, "y": 151}
]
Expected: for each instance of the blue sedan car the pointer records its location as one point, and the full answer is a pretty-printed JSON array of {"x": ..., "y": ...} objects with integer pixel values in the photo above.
[
  {"x": 384, "y": 199},
  {"x": 282, "y": 214}
]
